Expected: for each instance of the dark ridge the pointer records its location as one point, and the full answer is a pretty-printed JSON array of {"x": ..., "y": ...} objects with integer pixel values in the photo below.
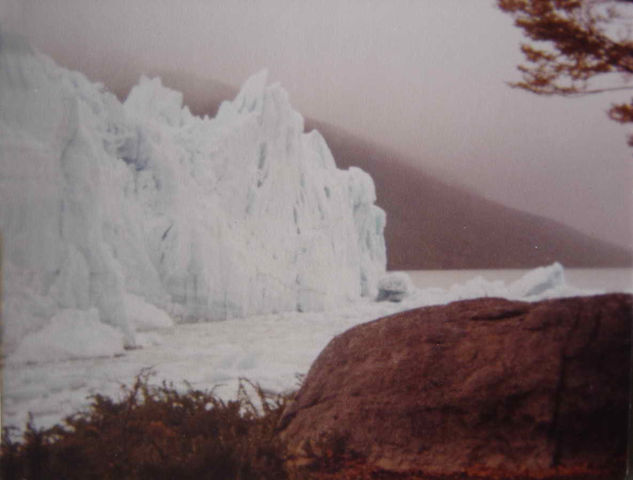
[{"x": 434, "y": 225}]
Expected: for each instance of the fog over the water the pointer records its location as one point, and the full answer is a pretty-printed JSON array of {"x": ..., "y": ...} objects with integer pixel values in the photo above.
[{"x": 425, "y": 77}]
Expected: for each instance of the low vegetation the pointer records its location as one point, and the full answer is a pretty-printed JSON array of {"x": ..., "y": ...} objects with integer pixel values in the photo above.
[{"x": 155, "y": 432}]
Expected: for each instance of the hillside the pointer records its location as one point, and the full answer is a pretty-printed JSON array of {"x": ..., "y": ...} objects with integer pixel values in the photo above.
[{"x": 434, "y": 225}]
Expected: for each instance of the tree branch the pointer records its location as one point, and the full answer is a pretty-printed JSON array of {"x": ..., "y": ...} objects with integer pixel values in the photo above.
[{"x": 567, "y": 92}]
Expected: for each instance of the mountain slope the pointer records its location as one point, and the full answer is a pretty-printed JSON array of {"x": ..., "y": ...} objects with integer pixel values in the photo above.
[{"x": 433, "y": 225}]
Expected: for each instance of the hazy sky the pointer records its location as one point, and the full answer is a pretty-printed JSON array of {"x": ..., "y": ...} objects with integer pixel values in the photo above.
[{"x": 426, "y": 77}]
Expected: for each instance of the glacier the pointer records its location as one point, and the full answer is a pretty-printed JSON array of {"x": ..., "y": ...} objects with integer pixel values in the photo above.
[{"x": 131, "y": 214}]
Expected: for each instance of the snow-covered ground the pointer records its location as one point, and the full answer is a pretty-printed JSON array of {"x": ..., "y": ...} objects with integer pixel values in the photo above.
[{"x": 269, "y": 349}]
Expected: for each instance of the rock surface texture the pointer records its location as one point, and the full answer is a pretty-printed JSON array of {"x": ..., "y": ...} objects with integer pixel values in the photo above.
[{"x": 486, "y": 385}]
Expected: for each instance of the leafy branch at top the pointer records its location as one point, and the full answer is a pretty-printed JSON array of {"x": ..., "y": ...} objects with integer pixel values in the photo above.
[{"x": 573, "y": 42}]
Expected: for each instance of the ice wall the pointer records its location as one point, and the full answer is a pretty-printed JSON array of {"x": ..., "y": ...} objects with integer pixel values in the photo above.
[{"x": 204, "y": 218}]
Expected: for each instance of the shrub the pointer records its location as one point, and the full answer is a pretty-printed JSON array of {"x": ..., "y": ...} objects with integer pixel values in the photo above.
[{"x": 155, "y": 432}]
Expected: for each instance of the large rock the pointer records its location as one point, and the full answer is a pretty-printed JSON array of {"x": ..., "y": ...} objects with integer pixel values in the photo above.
[{"x": 478, "y": 385}]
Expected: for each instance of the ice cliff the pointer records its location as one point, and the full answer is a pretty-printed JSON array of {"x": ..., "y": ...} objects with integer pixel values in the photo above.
[{"x": 108, "y": 210}]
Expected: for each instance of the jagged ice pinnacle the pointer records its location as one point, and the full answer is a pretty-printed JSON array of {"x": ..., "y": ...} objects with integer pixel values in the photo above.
[{"x": 113, "y": 210}]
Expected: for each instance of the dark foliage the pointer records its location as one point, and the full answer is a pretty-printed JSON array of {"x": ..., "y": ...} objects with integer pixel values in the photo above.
[
  {"x": 581, "y": 40},
  {"x": 155, "y": 433}
]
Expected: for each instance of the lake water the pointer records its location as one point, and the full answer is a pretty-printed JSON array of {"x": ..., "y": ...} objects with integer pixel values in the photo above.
[{"x": 601, "y": 279}]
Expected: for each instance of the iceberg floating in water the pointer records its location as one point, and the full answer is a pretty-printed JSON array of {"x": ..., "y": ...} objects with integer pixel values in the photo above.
[
  {"x": 206, "y": 219},
  {"x": 537, "y": 284}
]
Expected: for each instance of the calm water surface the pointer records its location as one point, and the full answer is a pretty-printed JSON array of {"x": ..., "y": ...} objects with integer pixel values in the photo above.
[{"x": 602, "y": 279}]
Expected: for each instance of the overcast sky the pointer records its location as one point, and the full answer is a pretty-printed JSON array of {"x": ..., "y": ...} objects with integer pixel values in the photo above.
[{"x": 426, "y": 77}]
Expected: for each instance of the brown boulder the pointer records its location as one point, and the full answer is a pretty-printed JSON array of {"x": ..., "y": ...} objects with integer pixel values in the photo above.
[{"x": 480, "y": 385}]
